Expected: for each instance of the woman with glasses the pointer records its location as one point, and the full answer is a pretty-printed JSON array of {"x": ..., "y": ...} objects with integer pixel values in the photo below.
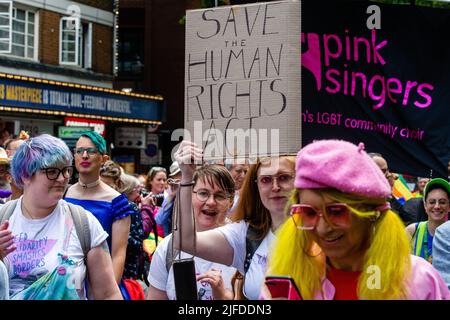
[
  {"x": 211, "y": 198},
  {"x": 436, "y": 197},
  {"x": 343, "y": 242},
  {"x": 40, "y": 233},
  {"x": 110, "y": 207},
  {"x": 259, "y": 213}
]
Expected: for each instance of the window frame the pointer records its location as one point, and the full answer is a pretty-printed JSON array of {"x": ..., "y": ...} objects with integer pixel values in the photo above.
[
  {"x": 76, "y": 42},
  {"x": 83, "y": 43},
  {"x": 25, "y": 34},
  {"x": 10, "y": 15},
  {"x": 87, "y": 46}
]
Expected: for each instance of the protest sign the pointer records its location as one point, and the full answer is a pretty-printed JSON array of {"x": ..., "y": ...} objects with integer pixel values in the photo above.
[{"x": 242, "y": 79}]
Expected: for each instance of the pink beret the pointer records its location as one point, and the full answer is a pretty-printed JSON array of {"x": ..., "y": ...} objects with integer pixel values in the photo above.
[{"x": 340, "y": 165}]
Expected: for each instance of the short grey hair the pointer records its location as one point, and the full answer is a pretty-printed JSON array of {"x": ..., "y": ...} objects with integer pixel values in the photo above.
[{"x": 129, "y": 183}]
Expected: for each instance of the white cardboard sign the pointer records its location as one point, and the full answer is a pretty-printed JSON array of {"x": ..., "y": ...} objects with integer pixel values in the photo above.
[{"x": 242, "y": 79}]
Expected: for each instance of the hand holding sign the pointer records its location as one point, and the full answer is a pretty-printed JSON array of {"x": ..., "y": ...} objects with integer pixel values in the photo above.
[{"x": 187, "y": 155}]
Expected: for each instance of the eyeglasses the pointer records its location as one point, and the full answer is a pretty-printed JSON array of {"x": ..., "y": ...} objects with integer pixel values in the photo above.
[
  {"x": 283, "y": 179},
  {"x": 306, "y": 217},
  {"x": 53, "y": 173},
  {"x": 3, "y": 169},
  {"x": 203, "y": 195},
  {"x": 90, "y": 151},
  {"x": 440, "y": 202}
]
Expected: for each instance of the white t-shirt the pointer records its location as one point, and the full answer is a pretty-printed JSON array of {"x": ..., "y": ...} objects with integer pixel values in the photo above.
[
  {"x": 160, "y": 279},
  {"x": 236, "y": 233},
  {"x": 235, "y": 203},
  {"x": 40, "y": 241}
]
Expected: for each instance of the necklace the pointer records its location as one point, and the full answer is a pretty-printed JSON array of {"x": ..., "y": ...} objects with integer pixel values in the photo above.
[
  {"x": 25, "y": 210},
  {"x": 89, "y": 185}
]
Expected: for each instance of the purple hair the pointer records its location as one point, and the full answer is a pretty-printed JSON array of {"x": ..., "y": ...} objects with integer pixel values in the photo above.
[{"x": 37, "y": 153}]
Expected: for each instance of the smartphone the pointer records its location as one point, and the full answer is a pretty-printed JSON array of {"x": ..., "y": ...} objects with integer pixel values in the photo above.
[
  {"x": 283, "y": 287},
  {"x": 185, "y": 279}
]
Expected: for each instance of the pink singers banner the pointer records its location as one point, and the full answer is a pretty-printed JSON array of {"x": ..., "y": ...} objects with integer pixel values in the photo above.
[{"x": 387, "y": 87}]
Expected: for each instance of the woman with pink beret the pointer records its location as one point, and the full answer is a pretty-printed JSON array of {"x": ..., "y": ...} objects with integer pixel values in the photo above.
[{"x": 343, "y": 242}]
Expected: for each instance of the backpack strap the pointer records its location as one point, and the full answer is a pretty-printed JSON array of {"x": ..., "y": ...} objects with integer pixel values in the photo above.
[
  {"x": 81, "y": 223},
  {"x": 7, "y": 210},
  {"x": 251, "y": 244}
]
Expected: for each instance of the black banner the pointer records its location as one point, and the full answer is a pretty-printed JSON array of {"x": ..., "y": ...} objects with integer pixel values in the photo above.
[{"x": 386, "y": 87}]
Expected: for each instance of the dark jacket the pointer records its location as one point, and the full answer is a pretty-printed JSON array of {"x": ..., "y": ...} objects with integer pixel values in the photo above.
[{"x": 413, "y": 211}]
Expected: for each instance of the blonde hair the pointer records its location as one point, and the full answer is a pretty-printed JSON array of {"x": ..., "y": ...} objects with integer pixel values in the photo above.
[
  {"x": 297, "y": 255},
  {"x": 128, "y": 183},
  {"x": 111, "y": 169}
]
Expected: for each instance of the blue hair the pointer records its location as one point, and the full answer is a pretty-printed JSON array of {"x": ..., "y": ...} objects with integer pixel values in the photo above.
[
  {"x": 96, "y": 139},
  {"x": 38, "y": 153}
]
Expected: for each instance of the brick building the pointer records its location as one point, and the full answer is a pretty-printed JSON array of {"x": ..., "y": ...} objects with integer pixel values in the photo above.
[
  {"x": 43, "y": 43},
  {"x": 57, "y": 64}
]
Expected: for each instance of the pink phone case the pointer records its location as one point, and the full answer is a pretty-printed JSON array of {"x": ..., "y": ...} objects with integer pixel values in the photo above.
[{"x": 283, "y": 287}]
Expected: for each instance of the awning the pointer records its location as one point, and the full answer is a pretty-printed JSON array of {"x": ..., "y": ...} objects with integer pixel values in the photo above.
[{"x": 41, "y": 96}]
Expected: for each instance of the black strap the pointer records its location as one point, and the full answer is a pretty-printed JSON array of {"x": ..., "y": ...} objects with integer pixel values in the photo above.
[
  {"x": 155, "y": 228},
  {"x": 251, "y": 244}
]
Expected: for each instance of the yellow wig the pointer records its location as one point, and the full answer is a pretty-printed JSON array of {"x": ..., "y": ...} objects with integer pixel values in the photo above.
[{"x": 297, "y": 255}]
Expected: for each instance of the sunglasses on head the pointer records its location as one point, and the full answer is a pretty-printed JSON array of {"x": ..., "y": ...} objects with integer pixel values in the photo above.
[{"x": 306, "y": 217}]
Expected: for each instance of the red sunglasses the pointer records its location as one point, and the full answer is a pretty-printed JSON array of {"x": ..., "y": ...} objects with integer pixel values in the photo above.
[{"x": 306, "y": 217}]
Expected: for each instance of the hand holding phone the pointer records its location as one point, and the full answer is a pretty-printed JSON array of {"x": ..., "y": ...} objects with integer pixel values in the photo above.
[{"x": 283, "y": 287}]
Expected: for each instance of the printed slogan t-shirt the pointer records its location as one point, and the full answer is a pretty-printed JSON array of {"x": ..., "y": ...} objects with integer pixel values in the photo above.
[{"x": 40, "y": 241}]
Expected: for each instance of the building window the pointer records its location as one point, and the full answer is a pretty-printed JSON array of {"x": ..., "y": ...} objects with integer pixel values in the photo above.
[
  {"x": 75, "y": 42},
  {"x": 131, "y": 51},
  {"x": 23, "y": 38},
  {"x": 5, "y": 26}
]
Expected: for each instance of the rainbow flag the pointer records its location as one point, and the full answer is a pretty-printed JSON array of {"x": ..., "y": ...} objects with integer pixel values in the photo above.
[{"x": 401, "y": 191}]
